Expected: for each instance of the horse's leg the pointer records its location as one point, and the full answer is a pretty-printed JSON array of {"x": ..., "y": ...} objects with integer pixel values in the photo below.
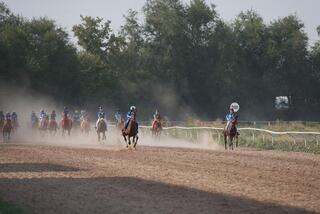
[
  {"x": 104, "y": 136},
  {"x": 136, "y": 141},
  {"x": 98, "y": 136},
  {"x": 225, "y": 141},
  {"x": 231, "y": 142},
  {"x": 237, "y": 138}
]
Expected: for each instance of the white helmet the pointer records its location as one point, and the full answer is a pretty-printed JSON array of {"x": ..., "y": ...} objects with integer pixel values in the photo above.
[{"x": 132, "y": 108}]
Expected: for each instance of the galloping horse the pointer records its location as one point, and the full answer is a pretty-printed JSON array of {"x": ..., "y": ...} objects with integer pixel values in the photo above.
[
  {"x": 6, "y": 130},
  {"x": 66, "y": 124},
  {"x": 85, "y": 126},
  {"x": 230, "y": 133},
  {"x": 43, "y": 125},
  {"x": 156, "y": 128},
  {"x": 101, "y": 128},
  {"x": 53, "y": 126},
  {"x": 131, "y": 132}
]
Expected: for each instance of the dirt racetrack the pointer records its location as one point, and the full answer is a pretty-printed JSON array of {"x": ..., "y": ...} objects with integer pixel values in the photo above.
[{"x": 58, "y": 179}]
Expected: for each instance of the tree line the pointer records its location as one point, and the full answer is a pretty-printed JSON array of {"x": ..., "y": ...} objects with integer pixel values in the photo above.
[{"x": 183, "y": 59}]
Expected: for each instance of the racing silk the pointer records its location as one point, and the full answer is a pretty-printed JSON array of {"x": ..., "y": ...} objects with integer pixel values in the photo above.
[
  {"x": 129, "y": 114},
  {"x": 42, "y": 115},
  {"x": 231, "y": 116},
  {"x": 101, "y": 112},
  {"x": 8, "y": 116},
  {"x": 53, "y": 116},
  {"x": 14, "y": 117},
  {"x": 99, "y": 121}
]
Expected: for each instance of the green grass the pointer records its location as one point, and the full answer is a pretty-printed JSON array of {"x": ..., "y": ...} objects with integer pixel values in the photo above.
[{"x": 7, "y": 208}]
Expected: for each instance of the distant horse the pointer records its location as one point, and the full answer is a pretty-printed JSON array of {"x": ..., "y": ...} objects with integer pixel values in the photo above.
[
  {"x": 120, "y": 124},
  {"x": 66, "y": 124},
  {"x": 53, "y": 126},
  {"x": 156, "y": 128},
  {"x": 6, "y": 130},
  {"x": 85, "y": 126},
  {"x": 1, "y": 124},
  {"x": 35, "y": 124},
  {"x": 230, "y": 133},
  {"x": 131, "y": 132},
  {"x": 101, "y": 128},
  {"x": 43, "y": 125}
]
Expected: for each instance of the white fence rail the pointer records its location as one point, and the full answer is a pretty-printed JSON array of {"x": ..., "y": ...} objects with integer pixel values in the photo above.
[{"x": 253, "y": 135}]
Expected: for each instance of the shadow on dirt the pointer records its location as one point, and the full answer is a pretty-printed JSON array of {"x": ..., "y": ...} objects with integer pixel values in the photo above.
[
  {"x": 125, "y": 195},
  {"x": 34, "y": 167}
]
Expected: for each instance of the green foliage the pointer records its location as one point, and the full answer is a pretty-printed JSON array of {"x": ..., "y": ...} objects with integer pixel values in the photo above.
[
  {"x": 6, "y": 208},
  {"x": 182, "y": 57}
]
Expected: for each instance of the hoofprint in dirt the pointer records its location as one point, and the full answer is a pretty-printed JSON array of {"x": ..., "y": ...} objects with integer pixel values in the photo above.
[{"x": 56, "y": 179}]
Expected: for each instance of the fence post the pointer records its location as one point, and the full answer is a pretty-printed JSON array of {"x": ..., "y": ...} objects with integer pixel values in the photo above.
[
  {"x": 253, "y": 137},
  {"x": 272, "y": 139},
  {"x": 263, "y": 138},
  {"x": 305, "y": 142}
]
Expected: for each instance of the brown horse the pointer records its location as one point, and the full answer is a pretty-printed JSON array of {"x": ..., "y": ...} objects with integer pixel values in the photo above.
[
  {"x": 156, "y": 128},
  {"x": 1, "y": 124},
  {"x": 230, "y": 132},
  {"x": 66, "y": 124},
  {"x": 6, "y": 130},
  {"x": 85, "y": 126},
  {"x": 131, "y": 132},
  {"x": 53, "y": 126},
  {"x": 101, "y": 128},
  {"x": 120, "y": 124}
]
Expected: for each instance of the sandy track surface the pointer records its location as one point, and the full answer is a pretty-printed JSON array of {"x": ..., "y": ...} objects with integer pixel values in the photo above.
[{"x": 57, "y": 179}]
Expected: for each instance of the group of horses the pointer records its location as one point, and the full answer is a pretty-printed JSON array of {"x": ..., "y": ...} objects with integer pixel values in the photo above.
[
  {"x": 50, "y": 126},
  {"x": 8, "y": 126}
]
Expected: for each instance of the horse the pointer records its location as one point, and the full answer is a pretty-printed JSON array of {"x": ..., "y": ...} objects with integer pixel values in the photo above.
[
  {"x": 230, "y": 133},
  {"x": 131, "y": 132},
  {"x": 101, "y": 128},
  {"x": 66, "y": 124},
  {"x": 15, "y": 125},
  {"x": 53, "y": 126},
  {"x": 6, "y": 130},
  {"x": 85, "y": 126},
  {"x": 120, "y": 124},
  {"x": 156, "y": 128},
  {"x": 35, "y": 124},
  {"x": 1, "y": 123},
  {"x": 43, "y": 125}
]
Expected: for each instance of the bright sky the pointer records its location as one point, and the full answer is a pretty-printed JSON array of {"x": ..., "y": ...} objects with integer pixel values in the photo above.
[{"x": 67, "y": 12}]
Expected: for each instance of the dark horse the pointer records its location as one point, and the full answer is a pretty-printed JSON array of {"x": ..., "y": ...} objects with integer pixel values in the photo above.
[
  {"x": 156, "y": 128},
  {"x": 131, "y": 132},
  {"x": 66, "y": 124},
  {"x": 6, "y": 130},
  {"x": 101, "y": 128},
  {"x": 230, "y": 132}
]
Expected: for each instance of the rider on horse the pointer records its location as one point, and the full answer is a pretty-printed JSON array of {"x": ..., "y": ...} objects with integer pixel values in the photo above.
[
  {"x": 14, "y": 116},
  {"x": 83, "y": 115},
  {"x": 232, "y": 117},
  {"x": 53, "y": 115},
  {"x": 130, "y": 113},
  {"x": 156, "y": 118},
  {"x": 101, "y": 117},
  {"x": 101, "y": 112},
  {"x": 76, "y": 116},
  {"x": 42, "y": 114},
  {"x": 33, "y": 116},
  {"x": 118, "y": 116},
  {"x": 8, "y": 116}
]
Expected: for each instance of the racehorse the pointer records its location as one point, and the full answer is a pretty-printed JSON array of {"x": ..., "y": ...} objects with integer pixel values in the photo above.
[
  {"x": 156, "y": 128},
  {"x": 53, "y": 126},
  {"x": 6, "y": 130},
  {"x": 43, "y": 125},
  {"x": 1, "y": 124},
  {"x": 66, "y": 124},
  {"x": 131, "y": 132},
  {"x": 120, "y": 124},
  {"x": 230, "y": 133},
  {"x": 101, "y": 128},
  {"x": 85, "y": 126},
  {"x": 35, "y": 124}
]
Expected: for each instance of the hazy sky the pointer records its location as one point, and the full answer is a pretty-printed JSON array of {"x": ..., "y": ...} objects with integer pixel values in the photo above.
[{"x": 67, "y": 12}]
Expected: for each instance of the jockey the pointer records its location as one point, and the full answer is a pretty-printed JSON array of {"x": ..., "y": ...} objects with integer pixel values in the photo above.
[
  {"x": 53, "y": 115},
  {"x": 101, "y": 111},
  {"x": 14, "y": 116},
  {"x": 156, "y": 117},
  {"x": 76, "y": 115},
  {"x": 231, "y": 116},
  {"x": 1, "y": 116},
  {"x": 33, "y": 117},
  {"x": 101, "y": 117},
  {"x": 83, "y": 114},
  {"x": 133, "y": 109},
  {"x": 65, "y": 111},
  {"x": 8, "y": 116},
  {"x": 118, "y": 116},
  {"x": 42, "y": 114}
]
